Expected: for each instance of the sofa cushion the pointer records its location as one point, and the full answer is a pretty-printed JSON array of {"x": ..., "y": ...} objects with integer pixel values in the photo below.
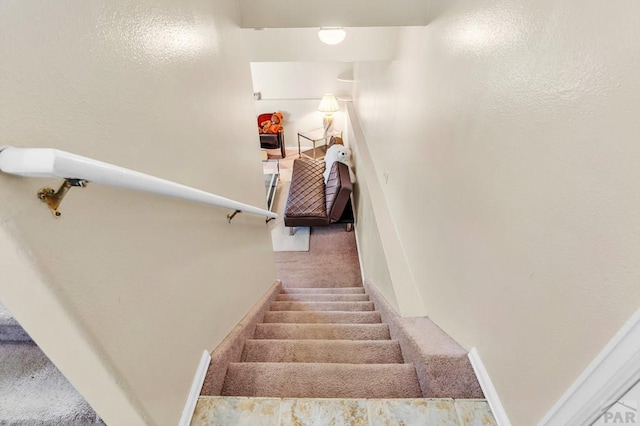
[
  {"x": 338, "y": 190},
  {"x": 307, "y": 191}
]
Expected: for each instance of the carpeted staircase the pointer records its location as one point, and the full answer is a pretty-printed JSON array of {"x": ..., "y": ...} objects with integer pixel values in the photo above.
[{"x": 322, "y": 343}]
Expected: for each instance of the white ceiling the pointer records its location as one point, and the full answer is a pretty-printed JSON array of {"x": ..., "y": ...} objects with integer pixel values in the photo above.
[
  {"x": 332, "y": 13},
  {"x": 286, "y": 30},
  {"x": 303, "y": 45}
]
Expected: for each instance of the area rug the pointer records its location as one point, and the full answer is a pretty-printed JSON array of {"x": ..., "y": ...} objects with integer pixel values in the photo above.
[{"x": 280, "y": 237}]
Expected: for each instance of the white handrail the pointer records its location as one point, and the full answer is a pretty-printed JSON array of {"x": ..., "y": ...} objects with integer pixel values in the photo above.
[{"x": 47, "y": 162}]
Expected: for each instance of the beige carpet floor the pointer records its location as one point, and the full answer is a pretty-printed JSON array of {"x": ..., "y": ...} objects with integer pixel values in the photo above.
[{"x": 332, "y": 259}]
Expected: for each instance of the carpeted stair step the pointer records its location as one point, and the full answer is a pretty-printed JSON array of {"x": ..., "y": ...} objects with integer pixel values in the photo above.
[
  {"x": 326, "y": 317},
  {"x": 301, "y": 297},
  {"x": 10, "y": 329},
  {"x": 320, "y": 380},
  {"x": 322, "y": 306},
  {"x": 325, "y": 351},
  {"x": 33, "y": 392},
  {"x": 323, "y": 331},
  {"x": 323, "y": 290}
]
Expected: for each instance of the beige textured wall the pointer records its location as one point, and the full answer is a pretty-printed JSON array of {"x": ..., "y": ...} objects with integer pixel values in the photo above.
[
  {"x": 370, "y": 247},
  {"x": 384, "y": 263},
  {"x": 140, "y": 284},
  {"x": 509, "y": 130}
]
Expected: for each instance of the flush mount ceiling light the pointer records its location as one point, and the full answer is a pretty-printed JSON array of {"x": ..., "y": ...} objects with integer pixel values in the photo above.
[{"x": 333, "y": 35}]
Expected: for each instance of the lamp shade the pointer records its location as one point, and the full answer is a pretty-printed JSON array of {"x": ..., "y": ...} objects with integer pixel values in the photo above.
[
  {"x": 331, "y": 35},
  {"x": 328, "y": 104}
]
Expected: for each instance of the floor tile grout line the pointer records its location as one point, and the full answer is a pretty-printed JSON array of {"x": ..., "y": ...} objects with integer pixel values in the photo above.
[
  {"x": 280, "y": 408},
  {"x": 455, "y": 407}
]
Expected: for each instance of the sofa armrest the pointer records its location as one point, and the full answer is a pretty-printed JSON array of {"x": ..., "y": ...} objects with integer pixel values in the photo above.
[{"x": 338, "y": 191}]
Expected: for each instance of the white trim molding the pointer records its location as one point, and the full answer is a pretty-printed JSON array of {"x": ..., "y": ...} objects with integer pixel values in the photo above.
[
  {"x": 355, "y": 233},
  {"x": 196, "y": 386},
  {"x": 488, "y": 389},
  {"x": 609, "y": 376}
]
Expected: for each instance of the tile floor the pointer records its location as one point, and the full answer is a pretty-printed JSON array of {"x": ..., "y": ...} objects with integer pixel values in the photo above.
[{"x": 227, "y": 411}]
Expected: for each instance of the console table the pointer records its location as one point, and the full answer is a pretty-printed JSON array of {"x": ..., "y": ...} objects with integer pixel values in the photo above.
[
  {"x": 271, "y": 171},
  {"x": 316, "y": 135}
]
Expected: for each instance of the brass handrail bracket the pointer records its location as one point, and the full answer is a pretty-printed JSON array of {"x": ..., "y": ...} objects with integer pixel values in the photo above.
[
  {"x": 232, "y": 215},
  {"x": 54, "y": 198}
]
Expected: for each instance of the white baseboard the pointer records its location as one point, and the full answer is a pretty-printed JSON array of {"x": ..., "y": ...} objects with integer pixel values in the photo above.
[
  {"x": 196, "y": 387},
  {"x": 488, "y": 389},
  {"x": 355, "y": 231},
  {"x": 609, "y": 376}
]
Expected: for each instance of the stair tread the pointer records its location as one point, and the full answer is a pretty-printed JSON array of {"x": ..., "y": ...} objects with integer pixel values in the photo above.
[
  {"x": 321, "y": 380},
  {"x": 317, "y": 290},
  {"x": 322, "y": 317},
  {"x": 322, "y": 297},
  {"x": 327, "y": 351},
  {"x": 293, "y": 331},
  {"x": 322, "y": 306},
  {"x": 322, "y": 343},
  {"x": 344, "y": 411}
]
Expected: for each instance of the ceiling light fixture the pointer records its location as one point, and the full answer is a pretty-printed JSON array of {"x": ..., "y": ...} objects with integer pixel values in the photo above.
[{"x": 333, "y": 35}]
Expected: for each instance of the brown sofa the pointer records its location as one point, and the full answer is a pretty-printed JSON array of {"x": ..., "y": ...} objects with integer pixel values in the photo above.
[{"x": 311, "y": 202}]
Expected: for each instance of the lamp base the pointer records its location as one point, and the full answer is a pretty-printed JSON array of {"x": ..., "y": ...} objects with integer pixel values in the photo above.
[{"x": 327, "y": 123}]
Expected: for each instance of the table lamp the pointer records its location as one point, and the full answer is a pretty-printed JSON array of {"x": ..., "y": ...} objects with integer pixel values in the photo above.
[{"x": 328, "y": 106}]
